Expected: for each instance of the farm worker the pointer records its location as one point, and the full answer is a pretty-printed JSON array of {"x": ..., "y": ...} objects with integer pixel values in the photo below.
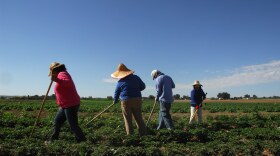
[
  {"x": 128, "y": 89},
  {"x": 197, "y": 96},
  {"x": 68, "y": 101},
  {"x": 164, "y": 86}
]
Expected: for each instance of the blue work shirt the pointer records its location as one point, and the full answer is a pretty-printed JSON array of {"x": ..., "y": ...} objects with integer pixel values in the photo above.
[
  {"x": 164, "y": 85},
  {"x": 197, "y": 97},
  {"x": 129, "y": 87}
]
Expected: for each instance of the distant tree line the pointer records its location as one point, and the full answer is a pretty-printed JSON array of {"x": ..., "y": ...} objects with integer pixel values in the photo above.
[
  {"x": 28, "y": 97},
  {"x": 220, "y": 96},
  {"x": 226, "y": 96}
]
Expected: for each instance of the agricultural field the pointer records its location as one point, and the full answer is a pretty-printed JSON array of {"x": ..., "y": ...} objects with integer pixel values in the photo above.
[{"x": 236, "y": 127}]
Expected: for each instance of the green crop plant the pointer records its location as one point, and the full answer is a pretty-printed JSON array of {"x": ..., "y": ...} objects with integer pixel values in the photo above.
[{"x": 252, "y": 133}]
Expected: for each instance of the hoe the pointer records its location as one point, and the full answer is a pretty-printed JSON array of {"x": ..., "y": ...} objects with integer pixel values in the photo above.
[{"x": 38, "y": 116}]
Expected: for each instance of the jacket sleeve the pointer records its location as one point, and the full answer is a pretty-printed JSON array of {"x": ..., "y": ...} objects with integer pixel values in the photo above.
[
  {"x": 117, "y": 93},
  {"x": 193, "y": 98},
  {"x": 159, "y": 85},
  {"x": 142, "y": 84},
  {"x": 203, "y": 95},
  {"x": 173, "y": 84}
]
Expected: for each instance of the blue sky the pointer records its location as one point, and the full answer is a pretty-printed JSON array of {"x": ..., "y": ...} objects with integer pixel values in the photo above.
[{"x": 230, "y": 46}]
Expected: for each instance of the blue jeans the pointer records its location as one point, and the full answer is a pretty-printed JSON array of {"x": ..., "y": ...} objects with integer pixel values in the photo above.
[
  {"x": 164, "y": 116},
  {"x": 71, "y": 115}
]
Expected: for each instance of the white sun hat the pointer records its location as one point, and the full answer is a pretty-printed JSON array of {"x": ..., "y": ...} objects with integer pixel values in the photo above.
[{"x": 196, "y": 82}]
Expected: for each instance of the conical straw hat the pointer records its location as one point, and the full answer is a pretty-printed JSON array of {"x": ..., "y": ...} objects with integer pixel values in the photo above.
[{"x": 121, "y": 72}]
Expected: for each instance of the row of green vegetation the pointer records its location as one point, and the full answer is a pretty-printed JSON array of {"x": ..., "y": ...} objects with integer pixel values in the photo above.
[
  {"x": 92, "y": 106},
  {"x": 244, "y": 134}
]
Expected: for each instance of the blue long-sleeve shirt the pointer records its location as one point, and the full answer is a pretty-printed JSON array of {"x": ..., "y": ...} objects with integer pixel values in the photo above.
[
  {"x": 129, "y": 87},
  {"x": 164, "y": 85},
  {"x": 197, "y": 97}
]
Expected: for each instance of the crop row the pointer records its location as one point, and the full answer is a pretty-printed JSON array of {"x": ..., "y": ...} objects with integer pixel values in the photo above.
[
  {"x": 92, "y": 106},
  {"x": 251, "y": 134}
]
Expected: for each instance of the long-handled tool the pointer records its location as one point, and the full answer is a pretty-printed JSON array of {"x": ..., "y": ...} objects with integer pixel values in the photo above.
[
  {"x": 100, "y": 113},
  {"x": 38, "y": 116},
  {"x": 151, "y": 113},
  {"x": 194, "y": 114}
]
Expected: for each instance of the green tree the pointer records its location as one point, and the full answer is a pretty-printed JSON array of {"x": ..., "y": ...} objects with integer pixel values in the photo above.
[
  {"x": 186, "y": 97},
  {"x": 151, "y": 97},
  {"x": 223, "y": 95},
  {"x": 177, "y": 96},
  {"x": 53, "y": 96},
  {"x": 247, "y": 96},
  {"x": 109, "y": 98}
]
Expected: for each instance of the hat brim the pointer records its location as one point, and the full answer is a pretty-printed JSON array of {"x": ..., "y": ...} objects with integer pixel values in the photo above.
[
  {"x": 197, "y": 84},
  {"x": 121, "y": 74},
  {"x": 50, "y": 73}
]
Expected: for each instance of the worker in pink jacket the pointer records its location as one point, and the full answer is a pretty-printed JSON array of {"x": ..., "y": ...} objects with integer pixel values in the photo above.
[{"x": 68, "y": 101}]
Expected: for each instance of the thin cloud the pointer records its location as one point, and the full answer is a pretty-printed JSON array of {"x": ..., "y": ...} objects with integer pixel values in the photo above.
[
  {"x": 247, "y": 75},
  {"x": 110, "y": 80},
  {"x": 212, "y": 72},
  {"x": 150, "y": 88}
]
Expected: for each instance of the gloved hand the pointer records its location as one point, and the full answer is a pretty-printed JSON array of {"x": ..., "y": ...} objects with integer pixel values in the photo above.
[{"x": 196, "y": 107}]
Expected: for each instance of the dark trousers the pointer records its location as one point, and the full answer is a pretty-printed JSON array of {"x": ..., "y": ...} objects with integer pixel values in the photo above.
[
  {"x": 164, "y": 116},
  {"x": 71, "y": 115}
]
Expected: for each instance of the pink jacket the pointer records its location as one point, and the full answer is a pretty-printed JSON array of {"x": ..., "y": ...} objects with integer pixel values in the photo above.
[{"x": 65, "y": 91}]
